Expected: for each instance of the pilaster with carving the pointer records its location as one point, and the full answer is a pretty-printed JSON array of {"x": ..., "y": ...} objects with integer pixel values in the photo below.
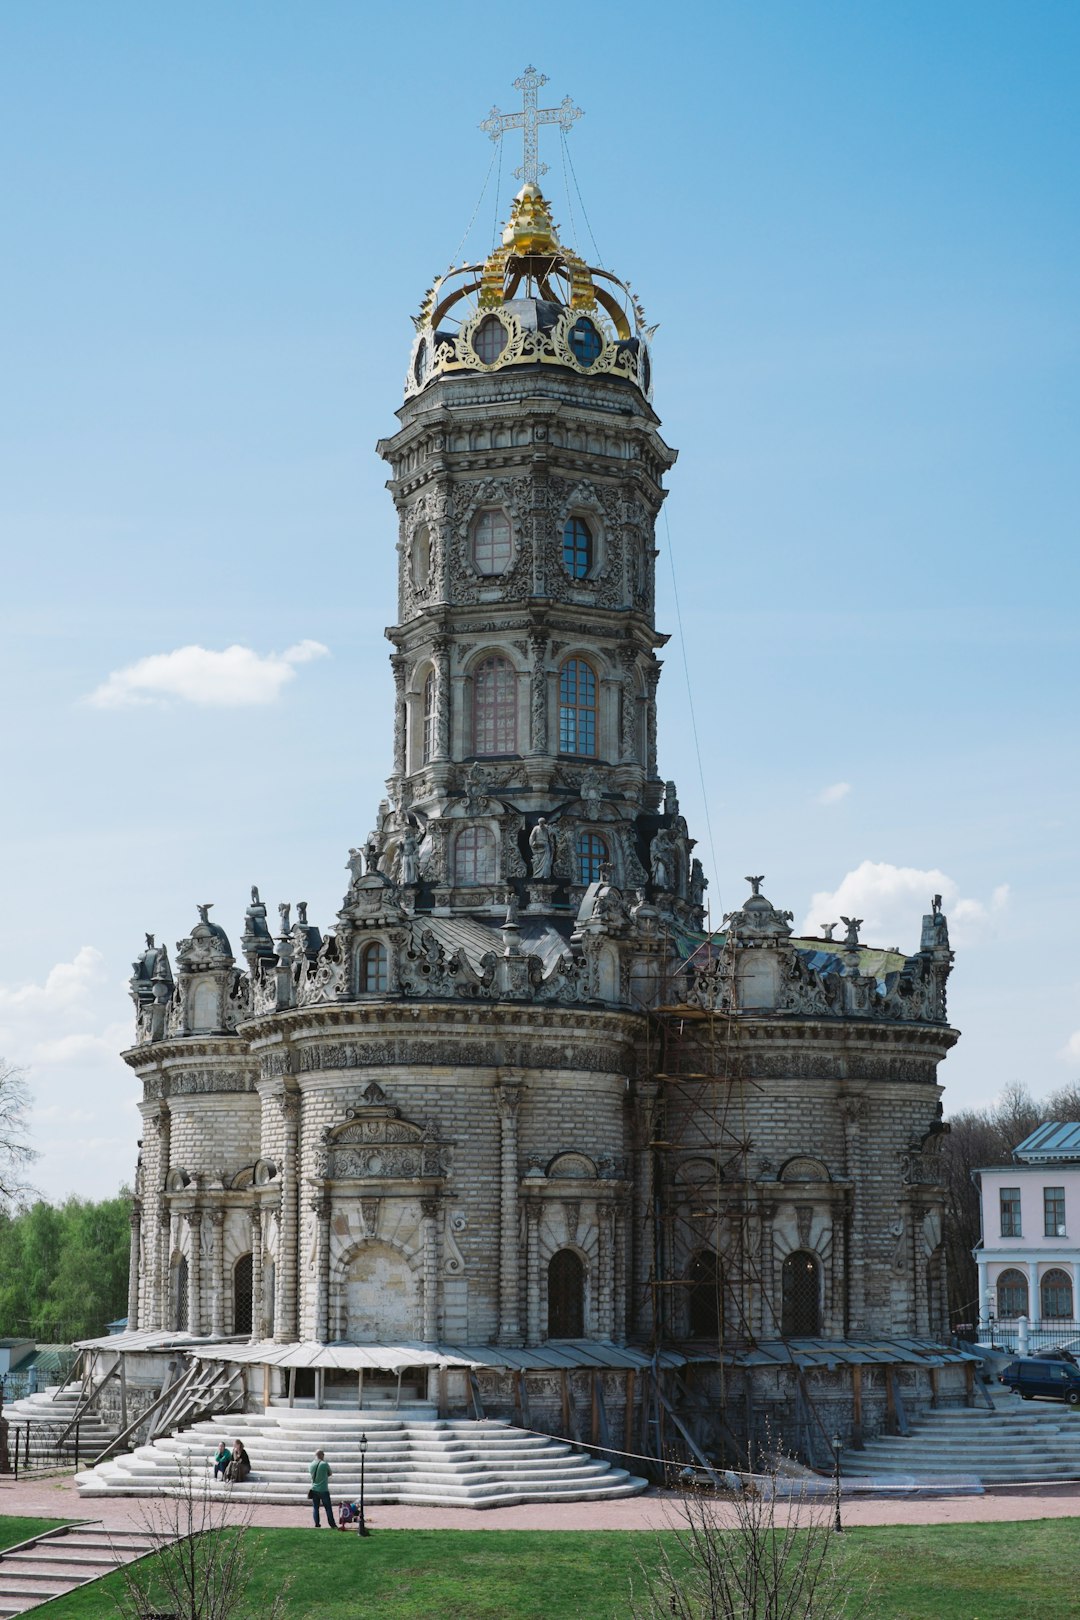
[
  {"x": 134, "y": 1255},
  {"x": 286, "y": 1277},
  {"x": 193, "y": 1217},
  {"x": 605, "y": 1265},
  {"x": 853, "y": 1110},
  {"x": 429, "y": 1215},
  {"x": 398, "y": 665},
  {"x": 508, "y": 1099},
  {"x": 320, "y": 1208},
  {"x": 533, "y": 1210},
  {"x": 652, "y": 679},
  {"x": 217, "y": 1271},
  {"x": 441, "y": 660},
  {"x": 538, "y": 693},
  {"x": 258, "y": 1320}
]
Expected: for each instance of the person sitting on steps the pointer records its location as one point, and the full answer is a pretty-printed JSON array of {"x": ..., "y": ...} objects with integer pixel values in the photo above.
[
  {"x": 222, "y": 1459},
  {"x": 240, "y": 1467}
]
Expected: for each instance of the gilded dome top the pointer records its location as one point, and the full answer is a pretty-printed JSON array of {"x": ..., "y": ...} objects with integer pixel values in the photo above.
[{"x": 531, "y": 302}]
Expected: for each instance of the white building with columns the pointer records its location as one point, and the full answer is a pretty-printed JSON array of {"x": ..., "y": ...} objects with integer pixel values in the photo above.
[{"x": 1029, "y": 1256}]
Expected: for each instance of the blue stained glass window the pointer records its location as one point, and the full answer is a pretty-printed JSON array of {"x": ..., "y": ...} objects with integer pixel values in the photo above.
[
  {"x": 577, "y": 548},
  {"x": 585, "y": 341}
]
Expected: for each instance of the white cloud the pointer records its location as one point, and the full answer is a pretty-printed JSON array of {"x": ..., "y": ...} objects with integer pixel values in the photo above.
[
  {"x": 66, "y": 1032},
  {"x": 834, "y": 794},
  {"x": 891, "y": 900},
  {"x": 233, "y": 679},
  {"x": 1070, "y": 1052}
]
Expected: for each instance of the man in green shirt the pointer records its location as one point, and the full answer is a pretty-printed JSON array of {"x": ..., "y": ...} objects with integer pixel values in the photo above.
[{"x": 319, "y": 1470}]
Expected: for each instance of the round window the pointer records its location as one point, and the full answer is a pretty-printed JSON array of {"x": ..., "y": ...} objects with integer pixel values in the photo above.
[
  {"x": 585, "y": 341},
  {"x": 489, "y": 340}
]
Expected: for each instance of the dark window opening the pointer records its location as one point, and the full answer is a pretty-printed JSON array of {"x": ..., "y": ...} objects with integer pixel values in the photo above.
[
  {"x": 566, "y": 1296},
  {"x": 801, "y": 1308}
]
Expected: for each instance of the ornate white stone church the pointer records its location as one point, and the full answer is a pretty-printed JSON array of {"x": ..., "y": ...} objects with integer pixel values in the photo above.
[{"x": 515, "y": 1107}]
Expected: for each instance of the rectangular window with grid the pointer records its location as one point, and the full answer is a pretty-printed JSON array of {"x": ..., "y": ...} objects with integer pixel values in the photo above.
[
  {"x": 1054, "y": 1211},
  {"x": 1010, "y": 1212}
]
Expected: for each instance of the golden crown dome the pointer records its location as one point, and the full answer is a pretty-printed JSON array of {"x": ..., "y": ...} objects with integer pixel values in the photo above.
[{"x": 532, "y": 301}]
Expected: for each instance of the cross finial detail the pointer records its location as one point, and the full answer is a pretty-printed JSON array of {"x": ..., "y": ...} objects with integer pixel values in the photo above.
[{"x": 528, "y": 120}]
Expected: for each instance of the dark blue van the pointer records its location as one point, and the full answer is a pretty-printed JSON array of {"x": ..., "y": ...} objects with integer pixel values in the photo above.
[{"x": 1057, "y": 1380}]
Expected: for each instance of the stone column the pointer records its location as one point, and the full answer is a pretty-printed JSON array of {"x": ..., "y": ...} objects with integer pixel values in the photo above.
[
  {"x": 605, "y": 1281},
  {"x": 853, "y": 1110},
  {"x": 642, "y": 1231},
  {"x": 538, "y": 694},
  {"x": 162, "y": 1306},
  {"x": 1075, "y": 1269},
  {"x": 652, "y": 679},
  {"x": 532, "y": 1270},
  {"x": 1034, "y": 1302},
  {"x": 258, "y": 1320},
  {"x": 397, "y": 663},
  {"x": 619, "y": 1300},
  {"x": 429, "y": 1229},
  {"x": 195, "y": 1304},
  {"x": 984, "y": 1289},
  {"x": 218, "y": 1287},
  {"x": 133, "y": 1265},
  {"x": 286, "y": 1282},
  {"x": 628, "y": 718},
  {"x": 320, "y": 1208},
  {"x": 441, "y": 650},
  {"x": 508, "y": 1097}
]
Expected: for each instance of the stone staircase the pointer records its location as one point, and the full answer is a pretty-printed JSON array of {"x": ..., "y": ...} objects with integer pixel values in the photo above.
[
  {"x": 49, "y": 1414},
  {"x": 435, "y": 1463},
  {"x": 56, "y": 1563},
  {"x": 1017, "y": 1442}
]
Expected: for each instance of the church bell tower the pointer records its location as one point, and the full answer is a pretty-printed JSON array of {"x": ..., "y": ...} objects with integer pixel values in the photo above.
[{"x": 527, "y": 476}]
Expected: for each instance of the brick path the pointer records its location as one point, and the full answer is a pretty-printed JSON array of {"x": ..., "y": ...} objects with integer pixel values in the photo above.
[{"x": 60, "y": 1500}]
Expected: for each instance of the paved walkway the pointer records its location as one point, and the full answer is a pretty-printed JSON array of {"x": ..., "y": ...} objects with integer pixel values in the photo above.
[{"x": 58, "y": 1499}]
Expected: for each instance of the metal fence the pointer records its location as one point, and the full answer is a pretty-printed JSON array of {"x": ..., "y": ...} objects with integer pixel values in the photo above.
[
  {"x": 30, "y": 1449},
  {"x": 1032, "y": 1338}
]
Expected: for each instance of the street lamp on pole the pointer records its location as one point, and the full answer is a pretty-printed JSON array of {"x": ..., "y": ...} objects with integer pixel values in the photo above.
[
  {"x": 361, "y": 1528},
  {"x": 836, "y": 1446}
]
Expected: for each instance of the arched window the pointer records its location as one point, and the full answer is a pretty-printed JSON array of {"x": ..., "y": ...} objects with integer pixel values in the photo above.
[
  {"x": 577, "y": 708},
  {"x": 705, "y": 1301},
  {"x": 429, "y": 717},
  {"x": 1012, "y": 1294},
  {"x": 490, "y": 339},
  {"x": 491, "y": 547},
  {"x": 474, "y": 856},
  {"x": 374, "y": 968},
  {"x": 800, "y": 1296},
  {"x": 180, "y": 1295},
  {"x": 242, "y": 1295},
  {"x": 592, "y": 854},
  {"x": 577, "y": 547},
  {"x": 1055, "y": 1292},
  {"x": 494, "y": 707},
  {"x": 566, "y": 1296}
]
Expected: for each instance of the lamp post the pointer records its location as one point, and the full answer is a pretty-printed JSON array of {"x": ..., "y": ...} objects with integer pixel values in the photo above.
[
  {"x": 836, "y": 1443},
  {"x": 361, "y": 1528}
]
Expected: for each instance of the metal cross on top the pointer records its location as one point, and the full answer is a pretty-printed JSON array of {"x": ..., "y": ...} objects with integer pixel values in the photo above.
[{"x": 497, "y": 123}]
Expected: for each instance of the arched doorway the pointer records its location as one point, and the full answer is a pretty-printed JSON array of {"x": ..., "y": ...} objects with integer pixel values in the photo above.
[
  {"x": 1056, "y": 1295},
  {"x": 801, "y": 1295},
  {"x": 566, "y": 1296},
  {"x": 242, "y": 1295},
  {"x": 382, "y": 1296},
  {"x": 705, "y": 1298}
]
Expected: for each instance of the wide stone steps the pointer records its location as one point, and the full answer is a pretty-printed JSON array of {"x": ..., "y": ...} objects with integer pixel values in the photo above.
[
  {"x": 55, "y": 1564},
  {"x": 1014, "y": 1443},
  {"x": 52, "y": 1414},
  {"x": 466, "y": 1463}
]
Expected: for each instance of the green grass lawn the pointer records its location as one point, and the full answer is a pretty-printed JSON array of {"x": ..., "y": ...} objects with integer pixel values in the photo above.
[
  {"x": 12, "y": 1531},
  {"x": 946, "y": 1572}
]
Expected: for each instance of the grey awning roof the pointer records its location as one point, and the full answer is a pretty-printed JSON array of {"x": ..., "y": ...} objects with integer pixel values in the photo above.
[
  {"x": 1050, "y": 1141},
  {"x": 567, "y": 1353},
  {"x": 851, "y": 1353}
]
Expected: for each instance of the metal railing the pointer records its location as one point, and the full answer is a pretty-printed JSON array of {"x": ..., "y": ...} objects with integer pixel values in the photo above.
[
  {"x": 1031, "y": 1338},
  {"x": 29, "y": 1450}
]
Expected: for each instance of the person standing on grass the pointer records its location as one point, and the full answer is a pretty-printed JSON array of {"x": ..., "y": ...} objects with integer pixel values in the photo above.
[{"x": 319, "y": 1469}]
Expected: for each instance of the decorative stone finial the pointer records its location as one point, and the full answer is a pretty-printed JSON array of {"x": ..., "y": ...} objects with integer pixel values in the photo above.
[
  {"x": 755, "y": 884},
  {"x": 827, "y": 930},
  {"x": 852, "y": 924},
  {"x": 204, "y": 910}
]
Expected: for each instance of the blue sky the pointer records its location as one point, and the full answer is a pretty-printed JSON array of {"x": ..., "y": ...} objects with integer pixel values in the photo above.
[{"x": 857, "y": 227}]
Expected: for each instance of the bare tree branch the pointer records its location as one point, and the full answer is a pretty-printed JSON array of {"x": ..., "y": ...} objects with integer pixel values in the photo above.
[{"x": 15, "y": 1150}]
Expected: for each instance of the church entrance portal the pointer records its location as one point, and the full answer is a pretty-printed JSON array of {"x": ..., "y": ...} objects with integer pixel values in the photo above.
[{"x": 382, "y": 1299}]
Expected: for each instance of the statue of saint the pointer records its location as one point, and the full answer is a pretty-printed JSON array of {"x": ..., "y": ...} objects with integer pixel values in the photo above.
[
  {"x": 408, "y": 862},
  {"x": 660, "y": 862},
  {"x": 541, "y": 849}
]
